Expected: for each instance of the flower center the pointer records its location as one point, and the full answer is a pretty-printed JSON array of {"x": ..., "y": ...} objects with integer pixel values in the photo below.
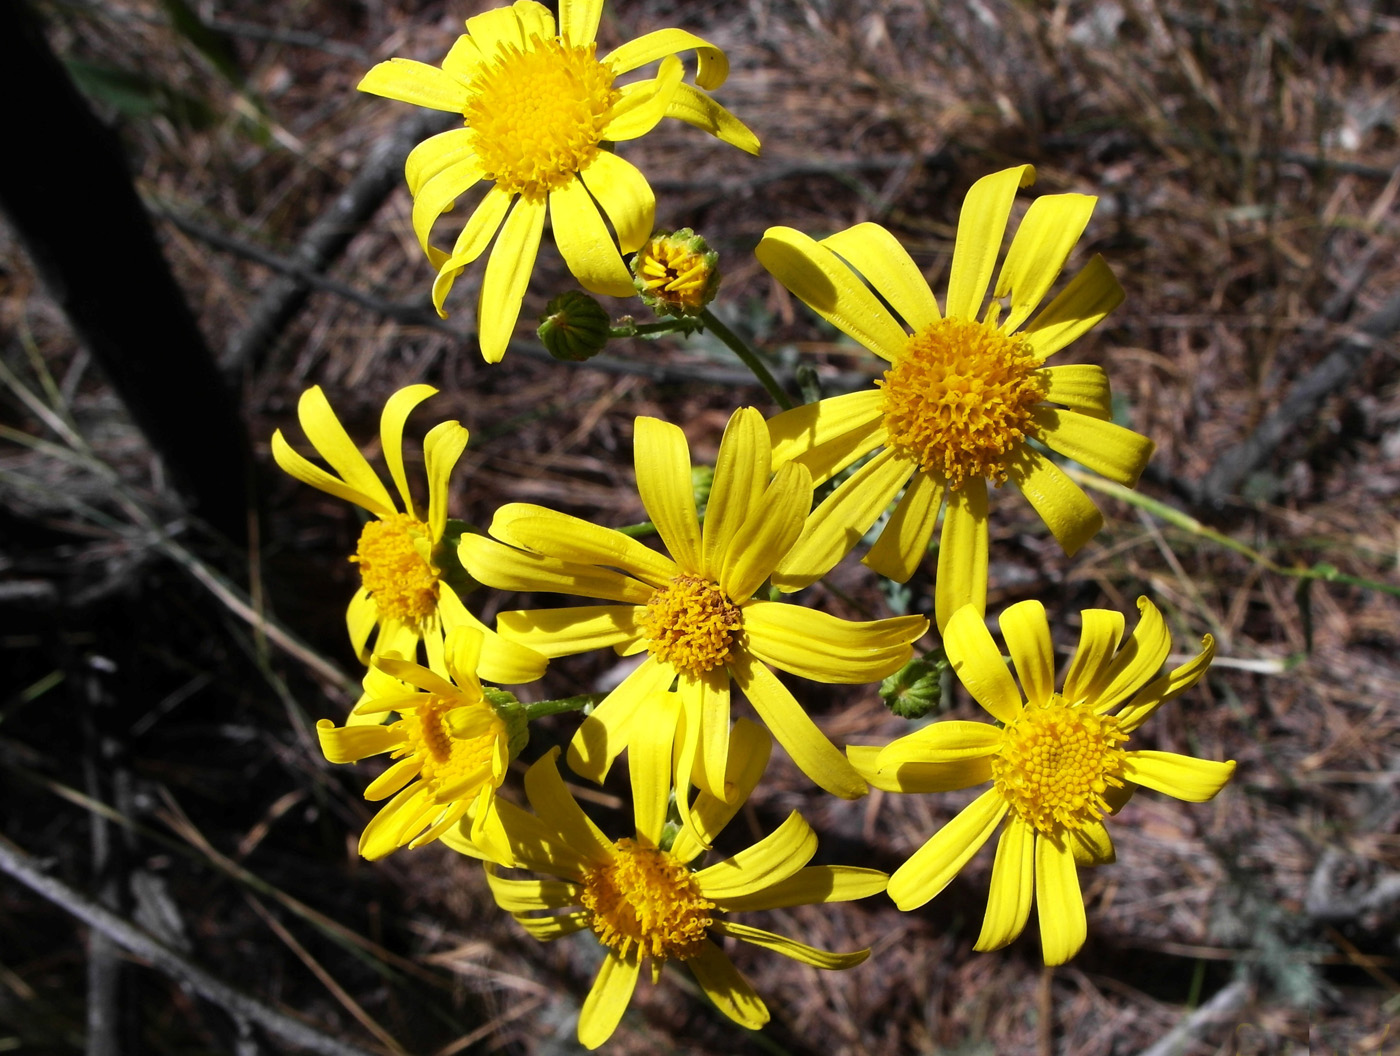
[
  {"x": 394, "y": 568},
  {"x": 691, "y": 625},
  {"x": 959, "y": 399},
  {"x": 675, "y": 275},
  {"x": 454, "y": 742},
  {"x": 643, "y": 899},
  {"x": 1056, "y": 762},
  {"x": 537, "y": 116}
]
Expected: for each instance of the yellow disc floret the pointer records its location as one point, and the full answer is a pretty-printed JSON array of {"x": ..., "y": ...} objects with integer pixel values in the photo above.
[
  {"x": 691, "y": 625},
  {"x": 645, "y": 900},
  {"x": 455, "y": 743},
  {"x": 959, "y": 399},
  {"x": 392, "y": 555},
  {"x": 537, "y": 116},
  {"x": 1056, "y": 762}
]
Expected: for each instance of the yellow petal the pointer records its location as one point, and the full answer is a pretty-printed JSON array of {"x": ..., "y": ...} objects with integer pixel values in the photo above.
[
  {"x": 712, "y": 66},
  {"x": 437, "y": 195},
  {"x": 436, "y": 154},
  {"x": 506, "y": 568},
  {"x": 393, "y": 780},
  {"x": 415, "y": 674},
  {"x": 536, "y": 20},
  {"x": 981, "y": 226},
  {"x": 585, "y": 243},
  {"x": 547, "y": 929},
  {"x": 1091, "y": 845},
  {"x": 741, "y": 476},
  {"x": 476, "y": 235},
  {"x": 1027, "y": 635},
  {"x": 1178, "y": 776},
  {"x": 1139, "y": 659},
  {"x": 1165, "y": 687},
  {"x": 809, "y": 886},
  {"x": 603, "y": 734},
  {"x": 773, "y": 859},
  {"x": 1060, "y": 906},
  {"x": 760, "y": 542},
  {"x": 576, "y": 629},
  {"x": 494, "y": 29},
  {"x": 904, "y": 541},
  {"x": 309, "y": 473},
  {"x": 950, "y": 740},
  {"x": 749, "y": 748},
  {"x": 626, "y": 198},
  {"x": 518, "y": 896},
  {"x": 391, "y": 422},
  {"x": 649, "y": 765},
  {"x": 417, "y": 83},
  {"x": 333, "y": 443},
  {"x": 838, "y": 524},
  {"x": 979, "y": 666},
  {"x": 1099, "y": 635},
  {"x": 1048, "y": 231},
  {"x": 1013, "y": 883},
  {"x": 729, "y": 990},
  {"x": 887, "y": 266},
  {"x": 1108, "y": 449},
  {"x": 556, "y": 806},
  {"x": 793, "y": 728},
  {"x": 507, "y": 274},
  {"x": 607, "y": 999},
  {"x": 798, "y": 951},
  {"x": 350, "y": 744},
  {"x": 578, "y": 20},
  {"x": 442, "y": 447},
  {"x": 696, "y": 108},
  {"x": 932, "y": 867},
  {"x": 576, "y": 540},
  {"x": 1080, "y": 307},
  {"x": 919, "y": 777},
  {"x": 1082, "y": 387},
  {"x": 962, "y": 552},
  {"x": 663, "y": 481},
  {"x": 710, "y": 692},
  {"x": 643, "y": 104},
  {"x": 826, "y": 648},
  {"x": 826, "y": 285},
  {"x": 1062, "y": 504},
  {"x": 501, "y": 661},
  {"x": 802, "y": 429},
  {"x": 462, "y": 60}
]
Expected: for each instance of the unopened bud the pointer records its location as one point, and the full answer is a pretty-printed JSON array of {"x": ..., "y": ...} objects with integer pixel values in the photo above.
[
  {"x": 574, "y": 327},
  {"x": 915, "y": 689},
  {"x": 676, "y": 273}
]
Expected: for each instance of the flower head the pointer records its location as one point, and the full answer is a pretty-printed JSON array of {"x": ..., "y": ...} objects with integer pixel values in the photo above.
[
  {"x": 539, "y": 108},
  {"x": 677, "y": 273},
  {"x": 645, "y": 900},
  {"x": 695, "y": 612},
  {"x": 451, "y": 745},
  {"x": 402, "y": 589},
  {"x": 1057, "y": 761},
  {"x": 965, "y": 393}
]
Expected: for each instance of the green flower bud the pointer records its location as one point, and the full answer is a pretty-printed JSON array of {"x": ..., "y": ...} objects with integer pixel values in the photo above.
[
  {"x": 574, "y": 327},
  {"x": 916, "y": 688},
  {"x": 676, "y": 273}
]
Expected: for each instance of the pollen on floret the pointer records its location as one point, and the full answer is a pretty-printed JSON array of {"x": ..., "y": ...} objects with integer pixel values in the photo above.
[
  {"x": 394, "y": 570},
  {"x": 1057, "y": 762},
  {"x": 645, "y": 900},
  {"x": 959, "y": 398},
  {"x": 537, "y": 115},
  {"x": 691, "y": 625}
]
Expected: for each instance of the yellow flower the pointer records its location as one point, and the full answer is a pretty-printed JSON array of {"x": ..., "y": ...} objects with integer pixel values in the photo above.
[
  {"x": 539, "y": 110},
  {"x": 451, "y": 747},
  {"x": 643, "y": 900},
  {"x": 1057, "y": 763},
  {"x": 964, "y": 394},
  {"x": 402, "y": 592},
  {"x": 694, "y": 612}
]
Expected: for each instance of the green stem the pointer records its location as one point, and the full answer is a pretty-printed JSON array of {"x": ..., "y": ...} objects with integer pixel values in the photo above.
[
  {"x": 636, "y": 531},
  {"x": 748, "y": 356},
  {"x": 540, "y": 709}
]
